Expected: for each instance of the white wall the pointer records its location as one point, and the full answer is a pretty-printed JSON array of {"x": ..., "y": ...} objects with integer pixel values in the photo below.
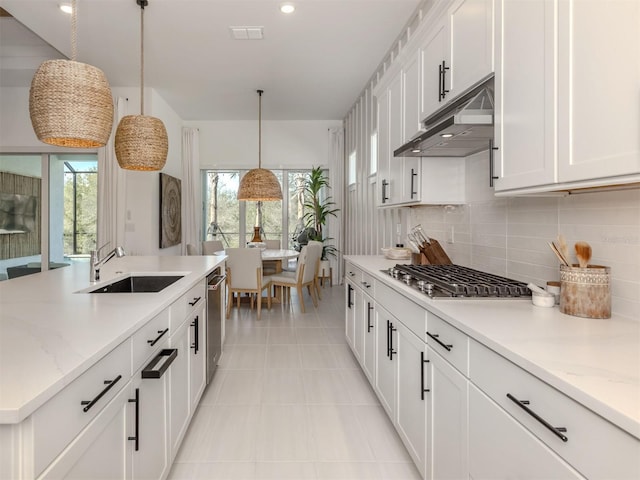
[
  {"x": 285, "y": 144},
  {"x": 15, "y": 124},
  {"x": 508, "y": 236}
]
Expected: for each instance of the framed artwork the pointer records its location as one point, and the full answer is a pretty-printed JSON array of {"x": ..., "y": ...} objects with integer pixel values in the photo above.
[{"x": 170, "y": 211}]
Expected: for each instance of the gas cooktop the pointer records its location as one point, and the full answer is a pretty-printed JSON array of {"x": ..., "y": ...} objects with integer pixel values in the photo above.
[{"x": 456, "y": 281}]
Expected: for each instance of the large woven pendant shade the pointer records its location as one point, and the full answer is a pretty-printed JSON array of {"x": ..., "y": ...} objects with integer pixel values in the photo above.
[
  {"x": 259, "y": 184},
  {"x": 141, "y": 141},
  {"x": 70, "y": 102}
]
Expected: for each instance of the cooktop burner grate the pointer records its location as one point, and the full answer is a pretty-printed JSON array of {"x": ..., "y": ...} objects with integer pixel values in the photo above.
[{"x": 459, "y": 281}]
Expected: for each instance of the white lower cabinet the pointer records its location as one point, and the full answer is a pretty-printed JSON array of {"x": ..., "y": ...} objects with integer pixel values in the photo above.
[
  {"x": 386, "y": 360},
  {"x": 197, "y": 356},
  {"x": 368, "y": 360},
  {"x": 179, "y": 389},
  {"x": 512, "y": 452},
  {"x": 448, "y": 419},
  {"x": 101, "y": 451},
  {"x": 350, "y": 314},
  {"x": 412, "y": 395}
]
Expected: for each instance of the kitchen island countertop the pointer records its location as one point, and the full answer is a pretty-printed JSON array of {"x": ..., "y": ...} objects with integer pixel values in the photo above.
[
  {"x": 50, "y": 332},
  {"x": 594, "y": 361}
]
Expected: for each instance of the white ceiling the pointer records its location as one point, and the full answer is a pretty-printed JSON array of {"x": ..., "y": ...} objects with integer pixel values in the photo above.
[{"x": 312, "y": 64}]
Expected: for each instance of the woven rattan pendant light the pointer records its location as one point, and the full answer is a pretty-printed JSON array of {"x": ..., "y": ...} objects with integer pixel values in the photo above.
[
  {"x": 70, "y": 103},
  {"x": 259, "y": 184},
  {"x": 141, "y": 141}
]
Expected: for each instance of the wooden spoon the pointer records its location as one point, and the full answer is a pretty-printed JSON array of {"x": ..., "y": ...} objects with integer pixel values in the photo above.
[
  {"x": 583, "y": 253},
  {"x": 562, "y": 246}
]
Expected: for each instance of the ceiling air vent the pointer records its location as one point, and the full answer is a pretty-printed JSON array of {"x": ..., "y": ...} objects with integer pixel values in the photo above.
[{"x": 247, "y": 33}]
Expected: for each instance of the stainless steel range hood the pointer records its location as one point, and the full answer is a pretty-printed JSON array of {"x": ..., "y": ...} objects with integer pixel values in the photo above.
[{"x": 461, "y": 128}]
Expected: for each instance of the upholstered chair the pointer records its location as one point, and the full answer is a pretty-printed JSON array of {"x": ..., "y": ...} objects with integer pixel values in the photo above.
[
  {"x": 244, "y": 275},
  {"x": 304, "y": 276},
  {"x": 211, "y": 246}
]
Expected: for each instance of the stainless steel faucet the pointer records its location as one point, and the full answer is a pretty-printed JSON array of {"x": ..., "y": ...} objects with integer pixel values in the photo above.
[{"x": 97, "y": 262}]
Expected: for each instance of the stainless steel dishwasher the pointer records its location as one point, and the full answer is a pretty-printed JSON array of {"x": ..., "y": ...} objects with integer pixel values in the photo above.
[{"x": 215, "y": 296}]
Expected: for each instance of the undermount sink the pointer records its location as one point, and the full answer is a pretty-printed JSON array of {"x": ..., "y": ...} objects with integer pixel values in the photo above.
[{"x": 139, "y": 284}]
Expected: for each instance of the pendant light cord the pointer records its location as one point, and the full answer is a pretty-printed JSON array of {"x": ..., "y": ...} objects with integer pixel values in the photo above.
[
  {"x": 142, "y": 4},
  {"x": 74, "y": 34},
  {"x": 260, "y": 92}
]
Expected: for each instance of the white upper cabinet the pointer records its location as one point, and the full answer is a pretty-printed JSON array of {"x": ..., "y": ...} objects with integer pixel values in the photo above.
[
  {"x": 412, "y": 89},
  {"x": 567, "y": 96},
  {"x": 598, "y": 89},
  {"x": 525, "y": 92},
  {"x": 470, "y": 24},
  {"x": 457, "y": 52}
]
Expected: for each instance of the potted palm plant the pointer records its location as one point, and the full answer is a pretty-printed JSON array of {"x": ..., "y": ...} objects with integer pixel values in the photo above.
[{"x": 318, "y": 207}]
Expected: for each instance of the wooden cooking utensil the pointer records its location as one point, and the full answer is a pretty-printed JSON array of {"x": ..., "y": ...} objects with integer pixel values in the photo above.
[
  {"x": 555, "y": 250},
  {"x": 562, "y": 247},
  {"x": 583, "y": 253}
]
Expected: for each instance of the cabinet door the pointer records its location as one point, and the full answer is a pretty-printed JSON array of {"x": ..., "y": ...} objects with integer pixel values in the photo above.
[
  {"x": 412, "y": 87},
  {"x": 358, "y": 324},
  {"x": 434, "y": 53},
  {"x": 598, "y": 94},
  {"x": 179, "y": 387},
  {"x": 396, "y": 139},
  {"x": 471, "y": 36},
  {"x": 412, "y": 409},
  {"x": 447, "y": 415},
  {"x": 350, "y": 314},
  {"x": 525, "y": 91},
  {"x": 151, "y": 458},
  {"x": 197, "y": 357},
  {"x": 369, "y": 360},
  {"x": 382, "y": 196},
  {"x": 101, "y": 450},
  {"x": 386, "y": 360},
  {"x": 512, "y": 451}
]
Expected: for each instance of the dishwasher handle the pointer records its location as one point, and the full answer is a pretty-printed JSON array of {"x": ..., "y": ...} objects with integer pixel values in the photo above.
[{"x": 214, "y": 282}]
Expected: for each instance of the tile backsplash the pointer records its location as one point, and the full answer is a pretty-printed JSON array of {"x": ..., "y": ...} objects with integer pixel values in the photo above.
[{"x": 509, "y": 236}]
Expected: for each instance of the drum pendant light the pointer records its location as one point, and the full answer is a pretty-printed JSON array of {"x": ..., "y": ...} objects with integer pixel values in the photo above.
[
  {"x": 259, "y": 184},
  {"x": 141, "y": 141},
  {"x": 70, "y": 103}
]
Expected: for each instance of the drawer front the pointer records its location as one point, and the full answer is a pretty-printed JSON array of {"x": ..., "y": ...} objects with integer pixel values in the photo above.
[
  {"x": 147, "y": 340},
  {"x": 194, "y": 298},
  {"x": 412, "y": 315},
  {"x": 59, "y": 420},
  {"x": 449, "y": 342},
  {"x": 368, "y": 284},
  {"x": 593, "y": 446},
  {"x": 354, "y": 274}
]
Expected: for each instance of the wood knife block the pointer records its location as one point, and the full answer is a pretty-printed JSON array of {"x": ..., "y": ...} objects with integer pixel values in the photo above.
[{"x": 433, "y": 254}]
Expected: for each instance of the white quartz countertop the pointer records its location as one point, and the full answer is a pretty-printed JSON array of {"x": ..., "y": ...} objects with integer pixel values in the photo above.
[
  {"x": 594, "y": 361},
  {"x": 50, "y": 333}
]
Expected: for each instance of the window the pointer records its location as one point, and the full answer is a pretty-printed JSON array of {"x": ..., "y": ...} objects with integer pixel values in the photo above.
[
  {"x": 352, "y": 168},
  {"x": 53, "y": 205},
  {"x": 228, "y": 220}
]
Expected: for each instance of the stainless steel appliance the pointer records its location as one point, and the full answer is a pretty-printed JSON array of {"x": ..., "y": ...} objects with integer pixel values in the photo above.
[
  {"x": 215, "y": 295},
  {"x": 456, "y": 281}
]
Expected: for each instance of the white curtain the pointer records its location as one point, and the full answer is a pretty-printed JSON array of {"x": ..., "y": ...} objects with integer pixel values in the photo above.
[
  {"x": 336, "y": 177},
  {"x": 112, "y": 188},
  {"x": 190, "y": 189}
]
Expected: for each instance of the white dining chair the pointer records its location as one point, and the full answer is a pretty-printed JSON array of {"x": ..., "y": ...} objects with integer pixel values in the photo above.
[
  {"x": 244, "y": 275},
  {"x": 209, "y": 247},
  {"x": 304, "y": 276},
  {"x": 272, "y": 244},
  {"x": 191, "y": 249}
]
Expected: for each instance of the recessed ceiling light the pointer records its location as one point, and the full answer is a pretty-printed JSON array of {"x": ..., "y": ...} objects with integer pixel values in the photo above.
[
  {"x": 446, "y": 135},
  {"x": 66, "y": 8},
  {"x": 416, "y": 150},
  {"x": 287, "y": 8}
]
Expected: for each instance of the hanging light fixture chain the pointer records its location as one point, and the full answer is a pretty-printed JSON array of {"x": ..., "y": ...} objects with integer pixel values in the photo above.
[
  {"x": 74, "y": 33},
  {"x": 260, "y": 128}
]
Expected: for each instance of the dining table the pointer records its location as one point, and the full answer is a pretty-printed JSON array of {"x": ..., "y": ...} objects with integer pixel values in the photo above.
[{"x": 273, "y": 258}]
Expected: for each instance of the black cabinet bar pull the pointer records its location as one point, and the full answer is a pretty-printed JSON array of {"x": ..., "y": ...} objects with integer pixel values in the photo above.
[
  {"x": 195, "y": 300},
  {"x": 492, "y": 168},
  {"x": 349, "y": 290},
  {"x": 391, "y": 350},
  {"x": 169, "y": 353},
  {"x": 196, "y": 341},
  {"x": 90, "y": 403},
  {"x": 388, "y": 334},
  {"x": 443, "y": 345},
  {"x": 422, "y": 389},
  {"x": 161, "y": 332},
  {"x": 385, "y": 184},
  {"x": 557, "y": 431},
  {"x": 413, "y": 175},
  {"x": 136, "y": 438},
  {"x": 369, "y": 309},
  {"x": 443, "y": 83}
]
